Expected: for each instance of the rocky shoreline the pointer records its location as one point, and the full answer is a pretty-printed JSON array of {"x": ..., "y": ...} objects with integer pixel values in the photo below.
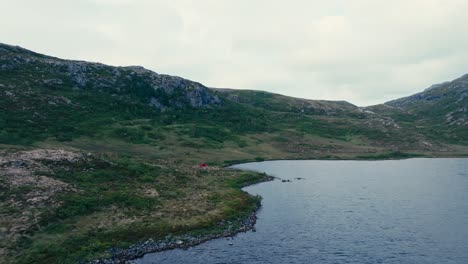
[{"x": 125, "y": 256}]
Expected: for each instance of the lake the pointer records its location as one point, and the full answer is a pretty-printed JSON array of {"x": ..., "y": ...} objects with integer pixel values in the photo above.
[{"x": 394, "y": 211}]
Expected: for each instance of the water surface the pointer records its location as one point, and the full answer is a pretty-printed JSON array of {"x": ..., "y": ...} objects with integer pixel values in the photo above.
[{"x": 405, "y": 211}]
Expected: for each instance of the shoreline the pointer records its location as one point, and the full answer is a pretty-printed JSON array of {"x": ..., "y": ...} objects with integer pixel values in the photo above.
[
  {"x": 138, "y": 250},
  {"x": 246, "y": 244},
  {"x": 185, "y": 241},
  {"x": 377, "y": 157}
]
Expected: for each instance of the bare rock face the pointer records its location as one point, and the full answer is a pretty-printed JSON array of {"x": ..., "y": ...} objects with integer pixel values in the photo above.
[{"x": 180, "y": 92}]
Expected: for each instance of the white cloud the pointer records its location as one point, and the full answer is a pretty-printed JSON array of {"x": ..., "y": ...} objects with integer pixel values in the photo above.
[{"x": 364, "y": 51}]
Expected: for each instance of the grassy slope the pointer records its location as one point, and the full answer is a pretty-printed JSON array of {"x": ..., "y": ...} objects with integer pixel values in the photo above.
[
  {"x": 438, "y": 112},
  {"x": 137, "y": 148}
]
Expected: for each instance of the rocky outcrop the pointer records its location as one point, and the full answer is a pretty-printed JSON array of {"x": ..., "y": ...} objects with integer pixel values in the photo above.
[
  {"x": 458, "y": 117},
  {"x": 158, "y": 90}
]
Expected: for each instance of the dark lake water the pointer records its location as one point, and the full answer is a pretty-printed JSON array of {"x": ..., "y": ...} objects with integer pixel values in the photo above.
[{"x": 406, "y": 211}]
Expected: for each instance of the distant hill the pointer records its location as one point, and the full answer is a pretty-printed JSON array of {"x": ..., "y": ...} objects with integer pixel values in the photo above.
[
  {"x": 440, "y": 111},
  {"x": 49, "y": 98},
  {"x": 278, "y": 102}
]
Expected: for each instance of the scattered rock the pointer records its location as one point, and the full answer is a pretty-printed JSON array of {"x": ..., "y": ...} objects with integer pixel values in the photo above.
[{"x": 151, "y": 192}]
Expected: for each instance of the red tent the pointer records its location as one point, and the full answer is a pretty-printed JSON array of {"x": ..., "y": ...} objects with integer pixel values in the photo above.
[{"x": 202, "y": 165}]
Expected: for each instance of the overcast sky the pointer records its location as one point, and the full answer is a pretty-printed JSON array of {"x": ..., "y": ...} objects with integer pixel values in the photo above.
[{"x": 362, "y": 51}]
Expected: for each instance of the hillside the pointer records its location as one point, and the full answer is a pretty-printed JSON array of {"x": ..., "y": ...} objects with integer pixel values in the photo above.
[
  {"x": 94, "y": 156},
  {"x": 440, "y": 111},
  {"x": 278, "y": 102}
]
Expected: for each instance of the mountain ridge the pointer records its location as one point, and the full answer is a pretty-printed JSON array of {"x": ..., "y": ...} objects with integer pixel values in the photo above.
[
  {"x": 81, "y": 73},
  {"x": 138, "y": 85},
  {"x": 135, "y": 68},
  {"x": 142, "y": 70}
]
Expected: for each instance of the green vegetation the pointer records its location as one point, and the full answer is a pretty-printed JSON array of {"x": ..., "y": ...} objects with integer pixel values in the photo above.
[
  {"x": 116, "y": 190},
  {"x": 142, "y": 136},
  {"x": 390, "y": 155}
]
